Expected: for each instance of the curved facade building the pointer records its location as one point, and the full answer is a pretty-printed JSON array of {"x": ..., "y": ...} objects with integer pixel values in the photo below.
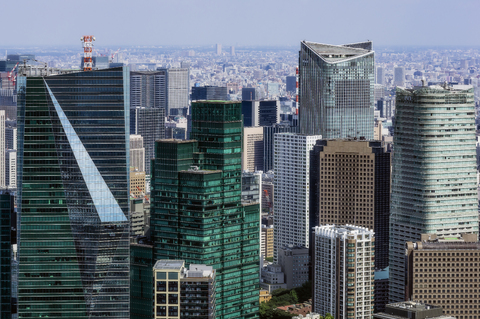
[
  {"x": 336, "y": 90},
  {"x": 434, "y": 186}
]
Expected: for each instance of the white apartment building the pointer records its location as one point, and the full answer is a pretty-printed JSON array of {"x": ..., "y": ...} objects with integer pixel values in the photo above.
[
  {"x": 343, "y": 277},
  {"x": 292, "y": 189}
]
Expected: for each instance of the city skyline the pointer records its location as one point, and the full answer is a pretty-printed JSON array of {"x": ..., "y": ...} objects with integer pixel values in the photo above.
[{"x": 186, "y": 22}]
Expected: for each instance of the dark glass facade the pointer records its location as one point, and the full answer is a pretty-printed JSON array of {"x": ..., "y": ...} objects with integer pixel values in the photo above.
[
  {"x": 73, "y": 139},
  {"x": 197, "y": 215},
  {"x": 268, "y": 135},
  {"x": 6, "y": 212},
  {"x": 141, "y": 281},
  {"x": 218, "y": 93}
]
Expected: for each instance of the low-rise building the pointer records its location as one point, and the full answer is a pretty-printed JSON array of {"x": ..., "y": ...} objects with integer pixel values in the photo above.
[
  {"x": 272, "y": 278},
  {"x": 264, "y": 295},
  {"x": 411, "y": 310},
  {"x": 295, "y": 263}
]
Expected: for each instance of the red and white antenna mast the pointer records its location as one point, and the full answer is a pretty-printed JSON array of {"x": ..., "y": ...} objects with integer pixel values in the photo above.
[{"x": 87, "y": 52}]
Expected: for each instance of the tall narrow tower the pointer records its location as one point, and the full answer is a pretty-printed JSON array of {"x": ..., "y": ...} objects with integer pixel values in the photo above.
[
  {"x": 87, "y": 52},
  {"x": 434, "y": 186},
  {"x": 336, "y": 90}
]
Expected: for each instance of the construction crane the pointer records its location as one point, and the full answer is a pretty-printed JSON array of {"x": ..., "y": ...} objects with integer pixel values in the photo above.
[
  {"x": 11, "y": 76},
  {"x": 145, "y": 195},
  {"x": 87, "y": 52},
  {"x": 114, "y": 54}
]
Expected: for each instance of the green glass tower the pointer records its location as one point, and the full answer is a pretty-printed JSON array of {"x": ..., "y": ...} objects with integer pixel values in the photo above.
[
  {"x": 73, "y": 137},
  {"x": 434, "y": 187},
  {"x": 197, "y": 214},
  {"x": 6, "y": 212}
]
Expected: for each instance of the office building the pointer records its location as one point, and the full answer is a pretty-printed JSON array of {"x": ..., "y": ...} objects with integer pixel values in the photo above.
[
  {"x": 268, "y": 113},
  {"x": 140, "y": 217},
  {"x": 378, "y": 92},
  {"x": 73, "y": 208},
  {"x": 295, "y": 263},
  {"x": 250, "y": 112},
  {"x": 178, "y": 91},
  {"x": 10, "y": 137},
  {"x": 141, "y": 278},
  {"x": 272, "y": 278},
  {"x": 210, "y": 165},
  {"x": 291, "y": 84},
  {"x": 209, "y": 93},
  {"x": 2, "y": 149},
  {"x": 268, "y": 142},
  {"x": 381, "y": 289},
  {"x": 252, "y": 187},
  {"x": 218, "y": 49},
  {"x": 292, "y": 181},
  {"x": 386, "y": 108},
  {"x": 435, "y": 267},
  {"x": 11, "y": 168},
  {"x": 266, "y": 243},
  {"x": 7, "y": 205},
  {"x": 336, "y": 90},
  {"x": 232, "y": 50},
  {"x": 137, "y": 183},
  {"x": 150, "y": 124},
  {"x": 380, "y": 76},
  {"x": 351, "y": 185},
  {"x": 399, "y": 76},
  {"x": 137, "y": 153},
  {"x": 434, "y": 163},
  {"x": 412, "y": 310},
  {"x": 249, "y": 94},
  {"x": 8, "y": 99},
  {"x": 148, "y": 89},
  {"x": 343, "y": 271},
  {"x": 182, "y": 292},
  {"x": 252, "y": 156}
]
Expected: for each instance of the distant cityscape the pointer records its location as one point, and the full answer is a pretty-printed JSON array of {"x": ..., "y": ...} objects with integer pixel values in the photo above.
[{"x": 223, "y": 181}]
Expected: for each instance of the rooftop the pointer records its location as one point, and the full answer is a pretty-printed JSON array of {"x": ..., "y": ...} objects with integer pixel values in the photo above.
[
  {"x": 338, "y": 53},
  {"x": 169, "y": 264}
]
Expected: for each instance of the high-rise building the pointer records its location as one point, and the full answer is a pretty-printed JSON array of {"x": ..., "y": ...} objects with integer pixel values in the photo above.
[
  {"x": 7, "y": 205},
  {"x": 292, "y": 189},
  {"x": 148, "y": 89},
  {"x": 268, "y": 142},
  {"x": 268, "y": 113},
  {"x": 178, "y": 91},
  {"x": 250, "y": 112},
  {"x": 10, "y": 137},
  {"x": 266, "y": 244},
  {"x": 2, "y": 149},
  {"x": 343, "y": 271},
  {"x": 380, "y": 78},
  {"x": 248, "y": 94},
  {"x": 350, "y": 184},
  {"x": 182, "y": 292},
  {"x": 232, "y": 50},
  {"x": 11, "y": 168},
  {"x": 137, "y": 153},
  {"x": 210, "y": 165},
  {"x": 451, "y": 261},
  {"x": 209, "y": 93},
  {"x": 291, "y": 83},
  {"x": 399, "y": 76},
  {"x": 150, "y": 124},
  {"x": 218, "y": 49},
  {"x": 252, "y": 156},
  {"x": 434, "y": 164},
  {"x": 336, "y": 90},
  {"x": 141, "y": 279},
  {"x": 73, "y": 195}
]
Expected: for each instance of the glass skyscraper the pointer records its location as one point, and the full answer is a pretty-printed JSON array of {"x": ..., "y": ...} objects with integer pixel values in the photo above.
[
  {"x": 434, "y": 177},
  {"x": 73, "y": 195},
  {"x": 6, "y": 212},
  {"x": 336, "y": 90},
  {"x": 197, "y": 214}
]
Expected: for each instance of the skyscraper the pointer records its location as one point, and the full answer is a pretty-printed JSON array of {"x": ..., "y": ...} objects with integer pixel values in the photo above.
[
  {"x": 351, "y": 185},
  {"x": 150, "y": 124},
  {"x": 11, "y": 168},
  {"x": 209, "y": 93},
  {"x": 218, "y": 49},
  {"x": 434, "y": 165},
  {"x": 252, "y": 156},
  {"x": 344, "y": 271},
  {"x": 268, "y": 142},
  {"x": 2, "y": 149},
  {"x": 137, "y": 153},
  {"x": 148, "y": 89},
  {"x": 380, "y": 78},
  {"x": 291, "y": 82},
  {"x": 292, "y": 189},
  {"x": 197, "y": 214},
  {"x": 73, "y": 195},
  {"x": 399, "y": 76},
  {"x": 178, "y": 91},
  {"x": 7, "y": 205},
  {"x": 336, "y": 90}
]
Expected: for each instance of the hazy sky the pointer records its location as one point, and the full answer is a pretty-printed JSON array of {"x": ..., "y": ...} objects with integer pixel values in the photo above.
[{"x": 244, "y": 22}]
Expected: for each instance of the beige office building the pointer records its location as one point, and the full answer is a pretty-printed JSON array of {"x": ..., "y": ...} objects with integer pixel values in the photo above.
[
  {"x": 445, "y": 273},
  {"x": 252, "y": 157},
  {"x": 137, "y": 183}
]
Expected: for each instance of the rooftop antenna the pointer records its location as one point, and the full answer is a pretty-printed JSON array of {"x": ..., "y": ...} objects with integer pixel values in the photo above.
[{"x": 87, "y": 52}]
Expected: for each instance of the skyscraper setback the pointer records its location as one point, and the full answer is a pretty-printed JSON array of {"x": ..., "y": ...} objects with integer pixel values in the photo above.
[
  {"x": 336, "y": 90},
  {"x": 197, "y": 215},
  {"x": 434, "y": 187},
  {"x": 73, "y": 195}
]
